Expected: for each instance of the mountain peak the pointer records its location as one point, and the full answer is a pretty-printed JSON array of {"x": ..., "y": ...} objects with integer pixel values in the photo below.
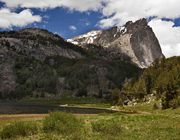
[
  {"x": 135, "y": 39},
  {"x": 141, "y": 22}
]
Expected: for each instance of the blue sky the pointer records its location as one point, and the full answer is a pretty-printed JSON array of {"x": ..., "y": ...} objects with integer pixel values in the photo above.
[
  {"x": 70, "y": 18},
  {"x": 59, "y": 20}
]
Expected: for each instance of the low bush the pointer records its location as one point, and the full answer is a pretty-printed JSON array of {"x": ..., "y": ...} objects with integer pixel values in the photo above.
[
  {"x": 174, "y": 103},
  {"x": 21, "y": 129},
  {"x": 62, "y": 123},
  {"x": 107, "y": 127}
]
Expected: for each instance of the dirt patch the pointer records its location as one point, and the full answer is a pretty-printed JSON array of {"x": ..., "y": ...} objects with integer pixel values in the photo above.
[
  {"x": 31, "y": 117},
  {"x": 22, "y": 117}
]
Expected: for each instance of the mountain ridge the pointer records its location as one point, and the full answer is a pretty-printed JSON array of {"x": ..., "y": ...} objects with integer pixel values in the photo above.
[
  {"x": 34, "y": 62},
  {"x": 135, "y": 39}
]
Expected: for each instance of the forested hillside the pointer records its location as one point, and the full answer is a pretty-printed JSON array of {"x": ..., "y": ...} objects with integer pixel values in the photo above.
[{"x": 161, "y": 79}]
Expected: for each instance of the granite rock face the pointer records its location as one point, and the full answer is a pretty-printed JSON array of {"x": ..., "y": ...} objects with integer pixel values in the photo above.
[{"x": 136, "y": 40}]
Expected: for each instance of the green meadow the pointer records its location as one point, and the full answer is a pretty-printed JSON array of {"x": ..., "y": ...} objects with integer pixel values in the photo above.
[{"x": 136, "y": 124}]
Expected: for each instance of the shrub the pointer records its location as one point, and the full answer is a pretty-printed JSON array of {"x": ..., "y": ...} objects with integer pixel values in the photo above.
[
  {"x": 107, "y": 127},
  {"x": 62, "y": 123},
  {"x": 174, "y": 103},
  {"x": 115, "y": 96},
  {"x": 19, "y": 129}
]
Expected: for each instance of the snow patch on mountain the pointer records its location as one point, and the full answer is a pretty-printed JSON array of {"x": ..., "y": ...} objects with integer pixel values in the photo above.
[
  {"x": 121, "y": 29},
  {"x": 88, "y": 38},
  {"x": 72, "y": 41}
]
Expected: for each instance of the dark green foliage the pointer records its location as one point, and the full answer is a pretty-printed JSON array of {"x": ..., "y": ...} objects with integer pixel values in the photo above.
[
  {"x": 19, "y": 129},
  {"x": 84, "y": 73},
  {"x": 62, "y": 123},
  {"x": 161, "y": 79},
  {"x": 119, "y": 71},
  {"x": 148, "y": 83},
  {"x": 82, "y": 92},
  {"x": 33, "y": 75},
  {"x": 115, "y": 96},
  {"x": 169, "y": 97}
]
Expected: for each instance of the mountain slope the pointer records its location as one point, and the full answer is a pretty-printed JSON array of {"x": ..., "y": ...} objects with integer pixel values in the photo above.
[
  {"x": 35, "y": 62},
  {"x": 135, "y": 40},
  {"x": 38, "y": 43}
]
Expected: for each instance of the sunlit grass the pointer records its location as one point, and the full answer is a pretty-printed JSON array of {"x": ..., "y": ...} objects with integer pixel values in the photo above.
[{"x": 162, "y": 125}]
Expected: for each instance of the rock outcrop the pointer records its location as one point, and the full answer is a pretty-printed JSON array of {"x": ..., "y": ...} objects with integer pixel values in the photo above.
[{"x": 136, "y": 40}]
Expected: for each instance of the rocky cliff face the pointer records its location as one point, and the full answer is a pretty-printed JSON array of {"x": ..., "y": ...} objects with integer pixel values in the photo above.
[{"x": 135, "y": 40}]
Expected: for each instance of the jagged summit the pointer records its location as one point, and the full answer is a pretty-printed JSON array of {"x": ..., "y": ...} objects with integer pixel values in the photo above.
[
  {"x": 135, "y": 39},
  {"x": 92, "y": 36}
]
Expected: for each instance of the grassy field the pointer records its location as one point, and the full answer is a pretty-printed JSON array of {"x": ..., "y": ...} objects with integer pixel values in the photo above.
[{"x": 144, "y": 123}]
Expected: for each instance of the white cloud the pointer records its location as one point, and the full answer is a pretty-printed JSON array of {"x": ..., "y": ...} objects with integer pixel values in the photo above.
[
  {"x": 9, "y": 19},
  {"x": 114, "y": 11},
  {"x": 169, "y": 36},
  {"x": 78, "y": 5},
  {"x": 117, "y": 12},
  {"x": 73, "y": 28}
]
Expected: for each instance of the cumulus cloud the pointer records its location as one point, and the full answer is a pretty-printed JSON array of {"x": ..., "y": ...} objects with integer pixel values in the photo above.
[
  {"x": 8, "y": 19},
  {"x": 73, "y": 28},
  {"x": 169, "y": 36},
  {"x": 78, "y": 5},
  {"x": 117, "y": 12}
]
